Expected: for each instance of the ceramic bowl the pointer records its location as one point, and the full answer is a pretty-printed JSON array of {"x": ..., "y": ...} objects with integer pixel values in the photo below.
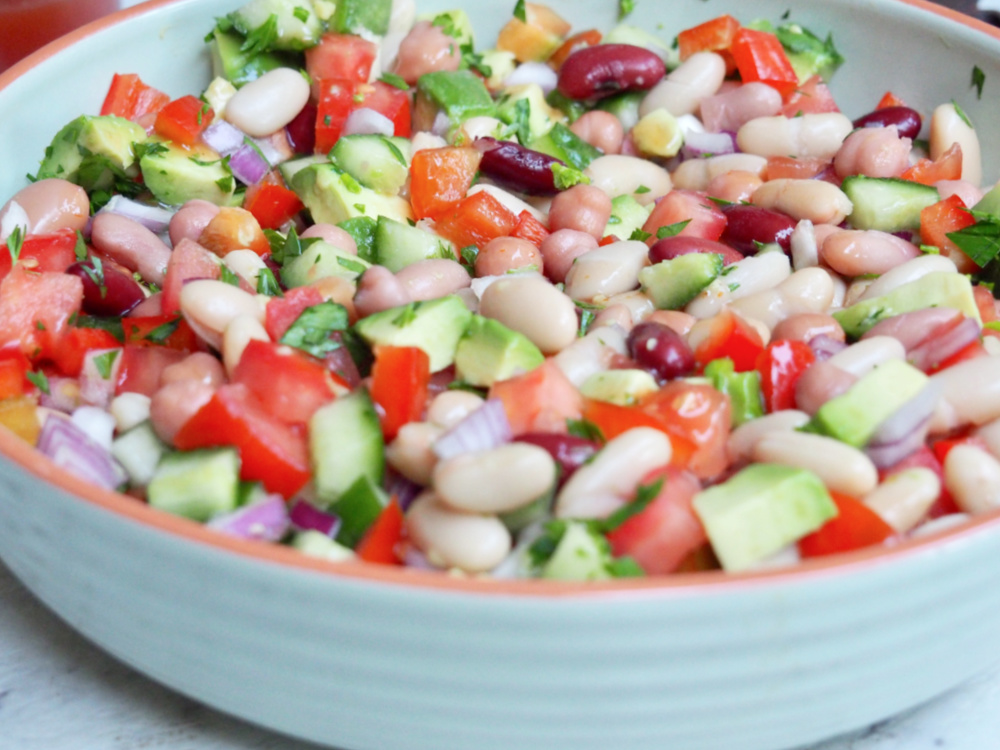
[{"x": 374, "y": 658}]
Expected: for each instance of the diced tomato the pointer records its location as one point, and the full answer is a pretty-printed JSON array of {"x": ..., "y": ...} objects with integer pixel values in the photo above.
[
  {"x": 440, "y": 179},
  {"x": 795, "y": 168},
  {"x": 36, "y": 305},
  {"x": 661, "y": 536},
  {"x": 188, "y": 261},
  {"x": 539, "y": 401},
  {"x": 272, "y": 204},
  {"x": 290, "y": 384},
  {"x": 811, "y": 98},
  {"x": 705, "y": 218},
  {"x": 390, "y": 101},
  {"x": 130, "y": 98},
  {"x": 336, "y": 102},
  {"x": 615, "y": 419},
  {"x": 67, "y": 349},
  {"x": 380, "y": 541},
  {"x": 234, "y": 229},
  {"x": 14, "y": 369},
  {"x": 730, "y": 336},
  {"x": 400, "y": 376},
  {"x": 141, "y": 367},
  {"x": 712, "y": 36},
  {"x": 948, "y": 166},
  {"x": 889, "y": 99},
  {"x": 341, "y": 56},
  {"x": 587, "y": 38},
  {"x": 760, "y": 57},
  {"x": 781, "y": 364},
  {"x": 43, "y": 252},
  {"x": 271, "y": 452},
  {"x": 184, "y": 120},
  {"x": 281, "y": 312},
  {"x": 938, "y": 220},
  {"x": 854, "y": 527},
  {"x": 170, "y": 331},
  {"x": 529, "y": 228},
  {"x": 697, "y": 418},
  {"x": 476, "y": 220}
]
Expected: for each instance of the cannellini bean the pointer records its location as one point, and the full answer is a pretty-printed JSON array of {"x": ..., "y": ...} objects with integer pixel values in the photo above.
[
  {"x": 246, "y": 264},
  {"x": 534, "y": 307},
  {"x": 990, "y": 434},
  {"x": 616, "y": 471},
  {"x": 132, "y": 245},
  {"x": 864, "y": 356},
  {"x": 818, "y": 201},
  {"x": 453, "y": 539},
  {"x": 736, "y": 186},
  {"x": 378, "y": 290},
  {"x": 412, "y": 452},
  {"x": 600, "y": 129},
  {"x": 681, "y": 92},
  {"x": 402, "y": 15},
  {"x": 806, "y": 326},
  {"x": 239, "y": 332},
  {"x": 676, "y": 320},
  {"x": 904, "y": 498},
  {"x": 970, "y": 394},
  {"x": 608, "y": 270},
  {"x": 811, "y": 135},
  {"x": 479, "y": 127},
  {"x": 617, "y": 174},
  {"x": 854, "y": 252},
  {"x": 804, "y": 245},
  {"x": 613, "y": 315},
  {"x": 873, "y": 152},
  {"x": 433, "y": 278},
  {"x": 495, "y": 481},
  {"x": 191, "y": 219},
  {"x": 269, "y": 103},
  {"x": 174, "y": 404},
  {"x": 561, "y": 248},
  {"x": 942, "y": 523},
  {"x": 949, "y": 127},
  {"x": 972, "y": 476},
  {"x": 754, "y": 274},
  {"x": 638, "y": 304},
  {"x": 697, "y": 174},
  {"x": 46, "y": 206},
  {"x": 423, "y": 140},
  {"x": 841, "y": 467},
  {"x": 129, "y": 410},
  {"x": 450, "y": 407},
  {"x": 209, "y": 306},
  {"x": 200, "y": 366},
  {"x": 591, "y": 354},
  {"x": 809, "y": 291},
  {"x": 820, "y": 383},
  {"x": 908, "y": 272}
]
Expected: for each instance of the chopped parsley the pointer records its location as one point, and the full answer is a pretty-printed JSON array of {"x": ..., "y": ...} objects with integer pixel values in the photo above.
[
  {"x": 980, "y": 241},
  {"x": 961, "y": 113},
  {"x": 95, "y": 272},
  {"x": 15, "y": 243},
  {"x": 105, "y": 362},
  {"x": 394, "y": 80},
  {"x": 640, "y": 190},
  {"x": 228, "y": 276},
  {"x": 351, "y": 265},
  {"x": 263, "y": 38},
  {"x": 671, "y": 230},
  {"x": 566, "y": 177},
  {"x": 521, "y": 11},
  {"x": 585, "y": 429},
  {"x": 394, "y": 150},
  {"x": 468, "y": 254},
  {"x": 161, "y": 333},
  {"x": 301, "y": 13},
  {"x": 349, "y": 183},
  {"x": 521, "y": 121},
  {"x": 638, "y": 234},
  {"x": 311, "y": 331},
  {"x": 625, "y": 8},
  {"x": 40, "y": 381},
  {"x": 267, "y": 284},
  {"x": 978, "y": 79},
  {"x": 406, "y": 316},
  {"x": 644, "y": 495}
]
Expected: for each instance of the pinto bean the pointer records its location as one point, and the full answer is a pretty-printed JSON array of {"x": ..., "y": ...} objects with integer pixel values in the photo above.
[
  {"x": 132, "y": 245},
  {"x": 46, "y": 206},
  {"x": 584, "y": 208},
  {"x": 605, "y": 69},
  {"x": 378, "y": 290},
  {"x": 190, "y": 221},
  {"x": 681, "y": 92},
  {"x": 736, "y": 187},
  {"x": 433, "y": 278},
  {"x": 505, "y": 254},
  {"x": 821, "y": 382},
  {"x": 199, "y": 366},
  {"x": 733, "y": 108},
  {"x": 812, "y": 135},
  {"x": 698, "y": 174},
  {"x": 873, "y": 152},
  {"x": 600, "y": 129},
  {"x": 333, "y": 235},
  {"x": 534, "y": 307},
  {"x": 855, "y": 252},
  {"x": 561, "y": 248},
  {"x": 426, "y": 49},
  {"x": 818, "y": 201},
  {"x": 806, "y": 326}
]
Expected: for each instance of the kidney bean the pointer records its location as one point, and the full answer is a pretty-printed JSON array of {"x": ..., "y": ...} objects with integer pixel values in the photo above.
[
  {"x": 301, "y": 131},
  {"x": 673, "y": 247},
  {"x": 661, "y": 350},
  {"x": 906, "y": 120},
  {"x": 568, "y": 451},
  {"x": 584, "y": 208},
  {"x": 107, "y": 292},
  {"x": 516, "y": 167},
  {"x": 605, "y": 69},
  {"x": 748, "y": 224},
  {"x": 601, "y": 130}
]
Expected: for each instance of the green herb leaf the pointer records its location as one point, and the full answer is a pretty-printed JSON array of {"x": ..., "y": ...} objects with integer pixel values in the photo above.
[
  {"x": 584, "y": 428},
  {"x": 640, "y": 190},
  {"x": 469, "y": 253},
  {"x": 587, "y": 318},
  {"x": 394, "y": 80},
  {"x": 104, "y": 362},
  {"x": 149, "y": 148},
  {"x": 671, "y": 230},
  {"x": 351, "y": 265},
  {"x": 229, "y": 276},
  {"x": 981, "y": 241},
  {"x": 961, "y": 113},
  {"x": 263, "y": 38},
  {"x": 301, "y": 13},
  {"x": 625, "y": 7},
  {"x": 40, "y": 381},
  {"x": 111, "y": 325},
  {"x": 406, "y": 315},
  {"x": 521, "y": 11},
  {"x": 446, "y": 23},
  {"x": 95, "y": 272},
  {"x": 644, "y": 495},
  {"x": 267, "y": 284},
  {"x": 566, "y": 177},
  {"x": 473, "y": 60},
  {"x": 625, "y": 567},
  {"x": 978, "y": 79},
  {"x": 80, "y": 249},
  {"x": 394, "y": 150},
  {"x": 638, "y": 234},
  {"x": 542, "y": 549},
  {"x": 521, "y": 121},
  {"x": 163, "y": 331},
  {"x": 312, "y": 329},
  {"x": 15, "y": 243}
]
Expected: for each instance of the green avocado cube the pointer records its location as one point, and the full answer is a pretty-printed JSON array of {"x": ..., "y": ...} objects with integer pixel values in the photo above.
[{"x": 490, "y": 351}]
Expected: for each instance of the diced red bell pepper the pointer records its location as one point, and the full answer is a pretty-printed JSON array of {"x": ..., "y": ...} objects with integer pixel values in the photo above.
[
  {"x": 529, "y": 228},
  {"x": 400, "y": 376},
  {"x": 14, "y": 369},
  {"x": 780, "y": 365},
  {"x": 336, "y": 102},
  {"x": 938, "y": 220},
  {"x": 854, "y": 527},
  {"x": 281, "y": 312},
  {"x": 381, "y": 540},
  {"x": 730, "y": 336},
  {"x": 587, "y": 38},
  {"x": 948, "y": 166},
  {"x": 760, "y": 57},
  {"x": 889, "y": 99},
  {"x": 184, "y": 120},
  {"x": 716, "y": 35},
  {"x": 43, "y": 252},
  {"x": 476, "y": 220},
  {"x": 170, "y": 331},
  {"x": 272, "y": 204},
  {"x": 271, "y": 452},
  {"x": 440, "y": 179},
  {"x": 342, "y": 56},
  {"x": 614, "y": 419},
  {"x": 67, "y": 349},
  {"x": 130, "y": 98}
]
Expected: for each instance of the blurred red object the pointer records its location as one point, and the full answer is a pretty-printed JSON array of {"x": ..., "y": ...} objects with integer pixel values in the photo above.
[{"x": 26, "y": 25}]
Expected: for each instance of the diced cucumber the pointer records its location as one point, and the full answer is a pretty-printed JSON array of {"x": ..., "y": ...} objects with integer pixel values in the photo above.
[
  {"x": 362, "y": 229},
  {"x": 282, "y": 24},
  {"x": 743, "y": 389},
  {"x": 673, "y": 283},
  {"x": 345, "y": 444},
  {"x": 139, "y": 452},
  {"x": 333, "y": 196},
  {"x": 292, "y": 167},
  {"x": 581, "y": 555},
  {"x": 564, "y": 144},
  {"x": 400, "y": 245},
  {"x": 317, "y": 544},
  {"x": 357, "y": 510},
  {"x": 358, "y": 16},
  {"x": 322, "y": 260},
  {"x": 627, "y": 215},
  {"x": 196, "y": 484},
  {"x": 378, "y": 162},
  {"x": 624, "y": 387},
  {"x": 886, "y": 203}
]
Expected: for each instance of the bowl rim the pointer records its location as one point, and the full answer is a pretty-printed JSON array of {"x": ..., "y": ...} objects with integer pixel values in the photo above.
[{"x": 25, "y": 457}]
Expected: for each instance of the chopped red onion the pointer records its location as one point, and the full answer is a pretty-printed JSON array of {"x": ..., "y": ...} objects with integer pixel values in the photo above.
[
  {"x": 275, "y": 148},
  {"x": 95, "y": 388},
  {"x": 97, "y": 423},
  {"x": 905, "y": 430},
  {"x": 485, "y": 428},
  {"x": 224, "y": 137},
  {"x": 248, "y": 165},
  {"x": 155, "y": 218},
  {"x": 304, "y": 516},
  {"x": 72, "y": 449},
  {"x": 63, "y": 394},
  {"x": 533, "y": 72},
  {"x": 698, "y": 145},
  {"x": 442, "y": 124},
  {"x": 14, "y": 217},
  {"x": 824, "y": 346},
  {"x": 414, "y": 558},
  {"x": 366, "y": 121},
  {"x": 265, "y": 520},
  {"x": 404, "y": 490},
  {"x": 936, "y": 349}
]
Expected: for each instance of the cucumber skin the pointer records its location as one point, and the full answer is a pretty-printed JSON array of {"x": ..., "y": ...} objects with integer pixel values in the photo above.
[
  {"x": 887, "y": 204},
  {"x": 345, "y": 444}
]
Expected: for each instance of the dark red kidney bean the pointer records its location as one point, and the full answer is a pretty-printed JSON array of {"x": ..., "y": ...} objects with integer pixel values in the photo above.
[
  {"x": 906, "y": 120},
  {"x": 301, "y": 130},
  {"x": 513, "y": 166},
  {"x": 568, "y": 451},
  {"x": 672, "y": 247},
  {"x": 106, "y": 290},
  {"x": 605, "y": 69},
  {"x": 660, "y": 350},
  {"x": 747, "y": 225}
]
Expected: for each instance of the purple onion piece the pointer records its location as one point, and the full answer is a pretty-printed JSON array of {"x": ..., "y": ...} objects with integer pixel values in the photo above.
[
  {"x": 905, "y": 430},
  {"x": 404, "y": 490},
  {"x": 824, "y": 347},
  {"x": 485, "y": 428},
  {"x": 266, "y": 520},
  {"x": 366, "y": 121},
  {"x": 513, "y": 166},
  {"x": 937, "y": 349},
  {"x": 247, "y": 165},
  {"x": 304, "y": 516},
  {"x": 698, "y": 145},
  {"x": 72, "y": 449},
  {"x": 533, "y": 72},
  {"x": 223, "y": 137},
  {"x": 155, "y": 218}
]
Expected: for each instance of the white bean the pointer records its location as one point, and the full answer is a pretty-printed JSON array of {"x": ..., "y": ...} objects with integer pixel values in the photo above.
[
  {"x": 495, "y": 481},
  {"x": 753, "y": 274},
  {"x": 636, "y": 302},
  {"x": 949, "y": 127},
  {"x": 246, "y": 264},
  {"x": 941, "y": 523},
  {"x": 452, "y": 539},
  {"x": 904, "y": 498},
  {"x": 805, "y": 250},
  {"x": 239, "y": 332},
  {"x": 269, "y": 103},
  {"x": 816, "y": 200},
  {"x": 990, "y": 434},
  {"x": 608, "y": 270},
  {"x": 744, "y": 438},
  {"x": 449, "y": 408},
  {"x": 682, "y": 90},
  {"x": 534, "y": 307},
  {"x": 818, "y": 135},
  {"x": 696, "y": 174},
  {"x": 841, "y": 467},
  {"x": 591, "y": 354},
  {"x": 129, "y": 410},
  {"x": 972, "y": 476},
  {"x": 864, "y": 356},
  {"x": 907, "y": 273},
  {"x": 970, "y": 394},
  {"x": 412, "y": 452},
  {"x": 807, "y": 291},
  {"x": 209, "y": 306},
  {"x": 616, "y": 470},
  {"x": 617, "y": 174},
  {"x": 433, "y": 278}
]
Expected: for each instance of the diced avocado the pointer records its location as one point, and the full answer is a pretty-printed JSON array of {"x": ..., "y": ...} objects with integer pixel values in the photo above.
[
  {"x": 455, "y": 23},
  {"x": 436, "y": 326},
  {"x": 139, "y": 452},
  {"x": 218, "y": 93},
  {"x": 361, "y": 16},
  {"x": 377, "y": 162},
  {"x": 760, "y": 510},
  {"x": 333, "y": 196},
  {"x": 627, "y": 34},
  {"x": 292, "y": 167},
  {"x": 501, "y": 64},
  {"x": 936, "y": 289},
  {"x": 362, "y": 229},
  {"x": 887, "y": 204},
  {"x": 345, "y": 445},
  {"x": 399, "y": 245},
  {"x": 318, "y": 544},
  {"x": 279, "y": 24},
  {"x": 743, "y": 389},
  {"x": 573, "y": 109},
  {"x": 541, "y": 117},
  {"x": 990, "y": 202},
  {"x": 658, "y": 134},
  {"x": 808, "y": 54},
  {"x": 238, "y": 67},
  {"x": 461, "y": 94},
  {"x": 673, "y": 283},
  {"x": 623, "y": 387},
  {"x": 91, "y": 149},
  {"x": 627, "y": 215},
  {"x": 196, "y": 484},
  {"x": 581, "y": 555},
  {"x": 490, "y": 351},
  {"x": 321, "y": 260},
  {"x": 176, "y": 175},
  {"x": 623, "y": 106},
  {"x": 357, "y": 510},
  {"x": 567, "y": 146},
  {"x": 854, "y": 416}
]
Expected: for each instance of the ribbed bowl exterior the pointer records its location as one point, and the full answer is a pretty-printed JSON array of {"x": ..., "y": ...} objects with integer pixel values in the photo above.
[{"x": 360, "y": 663}]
